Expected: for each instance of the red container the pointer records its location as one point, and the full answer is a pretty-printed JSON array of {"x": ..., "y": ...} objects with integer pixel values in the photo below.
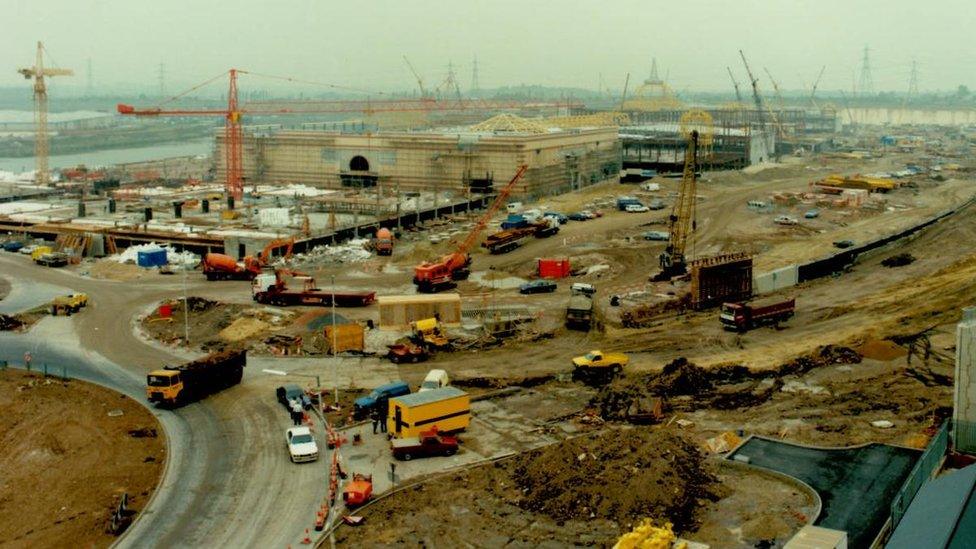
[
  {"x": 165, "y": 310},
  {"x": 553, "y": 268}
]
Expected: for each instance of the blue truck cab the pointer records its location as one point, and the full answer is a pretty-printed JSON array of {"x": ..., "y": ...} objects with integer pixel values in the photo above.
[{"x": 378, "y": 398}]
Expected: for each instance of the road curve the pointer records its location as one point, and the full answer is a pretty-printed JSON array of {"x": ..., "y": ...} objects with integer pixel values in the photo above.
[{"x": 228, "y": 480}]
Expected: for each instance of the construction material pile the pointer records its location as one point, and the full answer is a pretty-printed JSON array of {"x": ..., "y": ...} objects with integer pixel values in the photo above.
[
  {"x": 621, "y": 474},
  {"x": 353, "y": 251},
  {"x": 9, "y": 323},
  {"x": 178, "y": 259}
]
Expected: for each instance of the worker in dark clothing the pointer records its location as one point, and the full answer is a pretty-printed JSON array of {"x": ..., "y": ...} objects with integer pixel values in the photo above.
[
  {"x": 375, "y": 416},
  {"x": 382, "y": 422}
]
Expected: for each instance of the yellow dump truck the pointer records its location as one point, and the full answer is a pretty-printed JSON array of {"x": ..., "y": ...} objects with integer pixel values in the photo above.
[
  {"x": 177, "y": 385},
  {"x": 68, "y": 304},
  {"x": 447, "y": 408}
]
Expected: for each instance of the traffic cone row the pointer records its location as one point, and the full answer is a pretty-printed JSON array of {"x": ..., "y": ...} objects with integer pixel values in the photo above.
[
  {"x": 307, "y": 540},
  {"x": 320, "y": 520}
]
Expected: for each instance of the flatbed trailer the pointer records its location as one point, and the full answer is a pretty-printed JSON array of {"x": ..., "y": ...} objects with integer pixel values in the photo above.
[{"x": 286, "y": 298}]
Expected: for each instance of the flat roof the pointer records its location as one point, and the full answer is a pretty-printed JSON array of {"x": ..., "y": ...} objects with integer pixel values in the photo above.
[
  {"x": 427, "y": 397},
  {"x": 417, "y": 298},
  {"x": 942, "y": 515}
]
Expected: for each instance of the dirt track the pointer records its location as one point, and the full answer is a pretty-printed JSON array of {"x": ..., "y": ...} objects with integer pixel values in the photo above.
[{"x": 68, "y": 451}]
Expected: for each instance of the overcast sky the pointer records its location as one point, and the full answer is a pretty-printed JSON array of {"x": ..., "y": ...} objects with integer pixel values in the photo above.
[{"x": 554, "y": 42}]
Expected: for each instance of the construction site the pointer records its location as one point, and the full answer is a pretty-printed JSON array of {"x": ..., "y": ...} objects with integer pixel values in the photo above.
[{"x": 451, "y": 317}]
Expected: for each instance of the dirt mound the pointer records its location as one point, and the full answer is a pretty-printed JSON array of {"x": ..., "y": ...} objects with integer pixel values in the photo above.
[
  {"x": 621, "y": 475},
  {"x": 881, "y": 349},
  {"x": 243, "y": 328}
]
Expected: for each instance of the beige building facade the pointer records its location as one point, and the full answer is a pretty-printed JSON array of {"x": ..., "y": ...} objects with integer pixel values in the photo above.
[{"x": 461, "y": 162}]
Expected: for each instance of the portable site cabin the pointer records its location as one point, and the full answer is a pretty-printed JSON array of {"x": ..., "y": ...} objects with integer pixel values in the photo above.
[{"x": 449, "y": 408}]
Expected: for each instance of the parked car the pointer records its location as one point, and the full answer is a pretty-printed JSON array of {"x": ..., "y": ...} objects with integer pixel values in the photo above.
[
  {"x": 650, "y": 187},
  {"x": 435, "y": 380},
  {"x": 582, "y": 288},
  {"x": 301, "y": 445},
  {"x": 844, "y": 244},
  {"x": 811, "y": 214},
  {"x": 785, "y": 220},
  {"x": 378, "y": 399},
  {"x": 656, "y": 204},
  {"x": 13, "y": 246},
  {"x": 589, "y": 214},
  {"x": 290, "y": 393},
  {"x": 429, "y": 443},
  {"x": 562, "y": 219},
  {"x": 29, "y": 249},
  {"x": 636, "y": 208},
  {"x": 657, "y": 235},
  {"x": 596, "y": 213},
  {"x": 578, "y": 216},
  {"x": 537, "y": 287}
]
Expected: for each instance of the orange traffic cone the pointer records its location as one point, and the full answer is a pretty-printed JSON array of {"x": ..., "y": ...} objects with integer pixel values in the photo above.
[
  {"x": 319, "y": 521},
  {"x": 307, "y": 539}
]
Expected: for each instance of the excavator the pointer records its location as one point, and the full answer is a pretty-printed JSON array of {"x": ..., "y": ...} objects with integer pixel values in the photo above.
[
  {"x": 435, "y": 276},
  {"x": 681, "y": 222},
  {"x": 225, "y": 267}
]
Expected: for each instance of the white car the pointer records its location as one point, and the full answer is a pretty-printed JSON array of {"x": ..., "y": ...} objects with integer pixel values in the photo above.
[
  {"x": 636, "y": 208},
  {"x": 27, "y": 250},
  {"x": 650, "y": 187},
  {"x": 301, "y": 445},
  {"x": 786, "y": 220}
]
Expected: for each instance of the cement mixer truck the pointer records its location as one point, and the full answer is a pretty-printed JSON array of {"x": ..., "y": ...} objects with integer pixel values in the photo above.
[{"x": 383, "y": 242}]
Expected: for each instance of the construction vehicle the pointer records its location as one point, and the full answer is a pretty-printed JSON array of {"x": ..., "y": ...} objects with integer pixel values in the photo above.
[
  {"x": 745, "y": 316},
  {"x": 271, "y": 289},
  {"x": 378, "y": 399},
  {"x": 448, "y": 409},
  {"x": 53, "y": 259},
  {"x": 224, "y": 267},
  {"x": 358, "y": 491},
  {"x": 383, "y": 242},
  {"x": 509, "y": 239},
  {"x": 599, "y": 366},
  {"x": 68, "y": 304},
  {"x": 428, "y": 443},
  {"x": 406, "y": 352},
  {"x": 429, "y": 333},
  {"x": 177, "y": 385},
  {"x": 431, "y": 277},
  {"x": 681, "y": 222},
  {"x": 39, "y": 251},
  {"x": 579, "y": 312}
]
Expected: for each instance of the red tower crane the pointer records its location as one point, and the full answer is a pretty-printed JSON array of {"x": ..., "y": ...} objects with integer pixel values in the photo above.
[{"x": 431, "y": 277}]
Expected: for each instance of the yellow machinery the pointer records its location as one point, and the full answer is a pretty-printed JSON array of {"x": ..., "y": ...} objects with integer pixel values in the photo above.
[
  {"x": 647, "y": 536},
  {"x": 430, "y": 333},
  {"x": 39, "y": 251},
  {"x": 68, "y": 304},
  {"x": 681, "y": 222},
  {"x": 447, "y": 408}
]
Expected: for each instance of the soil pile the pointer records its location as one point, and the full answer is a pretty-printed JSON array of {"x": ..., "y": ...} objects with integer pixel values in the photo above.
[
  {"x": 620, "y": 475},
  {"x": 881, "y": 349},
  {"x": 243, "y": 328}
]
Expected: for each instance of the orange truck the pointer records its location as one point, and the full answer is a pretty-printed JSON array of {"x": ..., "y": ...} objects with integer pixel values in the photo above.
[{"x": 383, "y": 242}]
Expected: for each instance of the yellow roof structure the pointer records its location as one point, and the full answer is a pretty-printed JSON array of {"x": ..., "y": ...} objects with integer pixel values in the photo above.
[{"x": 509, "y": 123}]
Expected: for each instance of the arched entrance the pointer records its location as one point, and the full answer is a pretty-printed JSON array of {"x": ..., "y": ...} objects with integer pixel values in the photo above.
[{"x": 359, "y": 164}]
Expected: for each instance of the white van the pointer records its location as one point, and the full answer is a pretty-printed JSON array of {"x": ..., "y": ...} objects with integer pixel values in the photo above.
[
  {"x": 435, "y": 380},
  {"x": 582, "y": 288}
]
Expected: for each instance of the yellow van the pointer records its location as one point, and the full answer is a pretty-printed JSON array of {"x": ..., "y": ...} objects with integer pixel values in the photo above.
[
  {"x": 447, "y": 408},
  {"x": 39, "y": 251}
]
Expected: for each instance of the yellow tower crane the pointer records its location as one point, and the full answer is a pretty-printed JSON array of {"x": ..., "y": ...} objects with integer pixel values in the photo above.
[{"x": 38, "y": 72}]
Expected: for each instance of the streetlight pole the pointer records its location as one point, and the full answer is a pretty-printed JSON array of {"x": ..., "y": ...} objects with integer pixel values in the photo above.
[
  {"x": 186, "y": 312},
  {"x": 335, "y": 361}
]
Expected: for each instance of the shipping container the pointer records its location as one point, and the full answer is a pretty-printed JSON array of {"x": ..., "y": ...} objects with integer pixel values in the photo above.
[
  {"x": 151, "y": 258},
  {"x": 554, "y": 268},
  {"x": 348, "y": 337},
  {"x": 447, "y": 408}
]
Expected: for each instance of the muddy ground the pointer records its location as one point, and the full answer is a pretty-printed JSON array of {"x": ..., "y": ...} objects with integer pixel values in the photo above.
[
  {"x": 68, "y": 451},
  {"x": 587, "y": 491}
]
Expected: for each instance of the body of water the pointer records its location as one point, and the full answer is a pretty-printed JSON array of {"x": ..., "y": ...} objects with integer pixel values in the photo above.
[{"x": 114, "y": 156}]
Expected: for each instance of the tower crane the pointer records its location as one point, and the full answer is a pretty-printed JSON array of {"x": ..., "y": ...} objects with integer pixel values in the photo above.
[
  {"x": 431, "y": 277},
  {"x": 681, "y": 222},
  {"x": 779, "y": 99},
  {"x": 38, "y": 72},
  {"x": 757, "y": 98},
  {"x": 816, "y": 83},
  {"x": 735, "y": 84},
  {"x": 420, "y": 81}
]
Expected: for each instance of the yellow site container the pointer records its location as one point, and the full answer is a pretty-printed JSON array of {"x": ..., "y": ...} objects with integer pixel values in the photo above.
[
  {"x": 447, "y": 408},
  {"x": 348, "y": 337},
  {"x": 41, "y": 250}
]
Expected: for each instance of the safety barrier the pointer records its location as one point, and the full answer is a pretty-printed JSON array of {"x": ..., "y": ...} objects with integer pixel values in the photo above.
[{"x": 926, "y": 465}]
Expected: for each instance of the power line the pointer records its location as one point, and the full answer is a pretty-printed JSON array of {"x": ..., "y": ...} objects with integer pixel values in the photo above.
[
  {"x": 866, "y": 84},
  {"x": 913, "y": 82}
]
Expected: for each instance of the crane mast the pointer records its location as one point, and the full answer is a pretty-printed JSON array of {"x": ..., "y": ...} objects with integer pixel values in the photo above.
[
  {"x": 735, "y": 84},
  {"x": 757, "y": 98},
  {"x": 681, "y": 222},
  {"x": 38, "y": 72}
]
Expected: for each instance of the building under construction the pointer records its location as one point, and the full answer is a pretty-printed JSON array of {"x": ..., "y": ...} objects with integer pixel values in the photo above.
[{"x": 461, "y": 161}]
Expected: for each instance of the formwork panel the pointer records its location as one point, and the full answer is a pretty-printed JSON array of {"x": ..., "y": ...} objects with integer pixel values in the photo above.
[
  {"x": 715, "y": 280},
  {"x": 398, "y": 311}
]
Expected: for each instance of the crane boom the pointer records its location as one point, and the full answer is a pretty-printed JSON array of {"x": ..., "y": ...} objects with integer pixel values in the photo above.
[
  {"x": 757, "y": 98},
  {"x": 681, "y": 222},
  {"x": 420, "y": 81},
  {"x": 816, "y": 83},
  {"x": 735, "y": 84},
  {"x": 497, "y": 203},
  {"x": 623, "y": 96}
]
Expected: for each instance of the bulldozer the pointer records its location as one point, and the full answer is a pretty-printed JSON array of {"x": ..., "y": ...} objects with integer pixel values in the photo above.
[{"x": 429, "y": 333}]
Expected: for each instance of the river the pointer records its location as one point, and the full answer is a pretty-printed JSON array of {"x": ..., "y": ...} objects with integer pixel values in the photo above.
[{"x": 113, "y": 156}]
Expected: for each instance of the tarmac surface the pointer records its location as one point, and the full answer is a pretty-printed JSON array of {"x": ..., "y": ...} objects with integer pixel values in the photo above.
[{"x": 855, "y": 484}]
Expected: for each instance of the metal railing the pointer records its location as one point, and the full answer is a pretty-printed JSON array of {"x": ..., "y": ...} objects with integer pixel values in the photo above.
[{"x": 926, "y": 465}]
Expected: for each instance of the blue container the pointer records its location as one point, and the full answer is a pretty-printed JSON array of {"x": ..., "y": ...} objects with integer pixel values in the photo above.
[
  {"x": 514, "y": 221},
  {"x": 152, "y": 258}
]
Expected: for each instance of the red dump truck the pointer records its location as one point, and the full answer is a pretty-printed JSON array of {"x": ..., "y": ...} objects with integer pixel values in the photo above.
[{"x": 745, "y": 316}]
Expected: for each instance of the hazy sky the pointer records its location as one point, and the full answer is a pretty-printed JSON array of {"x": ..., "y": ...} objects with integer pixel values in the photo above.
[{"x": 568, "y": 43}]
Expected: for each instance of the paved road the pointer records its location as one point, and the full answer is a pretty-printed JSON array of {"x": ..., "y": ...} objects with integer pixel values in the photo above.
[
  {"x": 856, "y": 485},
  {"x": 228, "y": 479}
]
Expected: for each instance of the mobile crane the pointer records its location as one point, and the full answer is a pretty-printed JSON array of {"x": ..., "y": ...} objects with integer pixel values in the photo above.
[
  {"x": 435, "y": 276},
  {"x": 681, "y": 222}
]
